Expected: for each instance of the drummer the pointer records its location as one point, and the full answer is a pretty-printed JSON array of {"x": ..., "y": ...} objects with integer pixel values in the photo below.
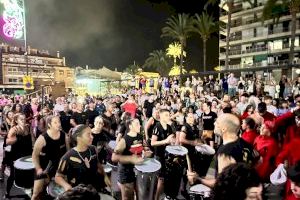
[
  {"x": 128, "y": 153},
  {"x": 162, "y": 136},
  {"x": 20, "y": 139},
  {"x": 189, "y": 138},
  {"x": 234, "y": 149},
  {"x": 47, "y": 151},
  {"x": 80, "y": 165},
  {"x": 100, "y": 139}
]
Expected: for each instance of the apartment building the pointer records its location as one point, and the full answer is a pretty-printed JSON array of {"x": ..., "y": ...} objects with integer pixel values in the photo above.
[
  {"x": 38, "y": 64},
  {"x": 254, "y": 45}
]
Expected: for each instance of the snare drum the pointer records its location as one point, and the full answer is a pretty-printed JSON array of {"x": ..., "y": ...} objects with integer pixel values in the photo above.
[
  {"x": 146, "y": 178},
  {"x": 199, "y": 192},
  {"x": 54, "y": 190},
  {"x": 175, "y": 164},
  {"x": 24, "y": 172}
]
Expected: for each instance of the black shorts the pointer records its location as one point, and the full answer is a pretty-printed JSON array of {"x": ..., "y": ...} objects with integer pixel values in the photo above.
[{"x": 162, "y": 171}]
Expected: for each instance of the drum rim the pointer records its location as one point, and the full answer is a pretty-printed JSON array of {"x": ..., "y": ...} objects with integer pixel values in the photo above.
[
  {"x": 182, "y": 149},
  {"x": 197, "y": 192},
  {"x": 150, "y": 160}
]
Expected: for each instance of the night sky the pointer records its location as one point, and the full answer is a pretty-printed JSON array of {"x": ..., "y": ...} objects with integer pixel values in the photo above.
[{"x": 112, "y": 33}]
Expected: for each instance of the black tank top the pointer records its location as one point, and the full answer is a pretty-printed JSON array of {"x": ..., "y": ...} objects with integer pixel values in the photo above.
[
  {"x": 151, "y": 128},
  {"x": 126, "y": 173},
  {"x": 52, "y": 151},
  {"x": 23, "y": 145},
  {"x": 191, "y": 133}
]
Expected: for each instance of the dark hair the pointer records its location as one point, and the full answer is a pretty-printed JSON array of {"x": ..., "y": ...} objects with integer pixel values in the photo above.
[
  {"x": 293, "y": 173},
  {"x": 14, "y": 107},
  {"x": 77, "y": 132},
  {"x": 227, "y": 109},
  {"x": 80, "y": 192},
  {"x": 208, "y": 104},
  {"x": 233, "y": 182},
  {"x": 250, "y": 122},
  {"x": 262, "y": 107},
  {"x": 248, "y": 107}
]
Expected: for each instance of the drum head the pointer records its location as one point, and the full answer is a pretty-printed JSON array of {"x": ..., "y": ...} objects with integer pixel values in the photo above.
[
  {"x": 24, "y": 163},
  {"x": 149, "y": 165},
  {"x": 205, "y": 149},
  {"x": 200, "y": 189},
  {"x": 107, "y": 168},
  {"x": 112, "y": 144},
  {"x": 54, "y": 190},
  {"x": 177, "y": 150}
]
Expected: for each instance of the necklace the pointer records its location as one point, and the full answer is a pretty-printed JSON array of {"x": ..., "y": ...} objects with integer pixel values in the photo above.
[{"x": 85, "y": 160}]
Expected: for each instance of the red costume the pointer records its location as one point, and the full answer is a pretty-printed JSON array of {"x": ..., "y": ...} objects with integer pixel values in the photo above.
[
  {"x": 268, "y": 150},
  {"x": 249, "y": 136}
]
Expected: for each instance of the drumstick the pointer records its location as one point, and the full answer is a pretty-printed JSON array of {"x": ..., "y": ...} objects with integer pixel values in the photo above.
[{"x": 189, "y": 164}]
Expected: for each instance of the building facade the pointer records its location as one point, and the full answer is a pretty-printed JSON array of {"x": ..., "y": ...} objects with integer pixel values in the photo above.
[
  {"x": 39, "y": 64},
  {"x": 254, "y": 45}
]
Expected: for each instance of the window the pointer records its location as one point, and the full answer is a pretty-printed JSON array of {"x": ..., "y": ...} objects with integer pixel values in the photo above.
[
  {"x": 13, "y": 80},
  {"x": 61, "y": 72},
  {"x": 12, "y": 69}
]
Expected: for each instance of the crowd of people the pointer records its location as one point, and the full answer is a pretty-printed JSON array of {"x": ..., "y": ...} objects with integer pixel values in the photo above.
[{"x": 251, "y": 130}]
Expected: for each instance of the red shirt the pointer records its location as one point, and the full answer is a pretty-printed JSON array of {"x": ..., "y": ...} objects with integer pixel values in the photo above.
[
  {"x": 249, "y": 136},
  {"x": 289, "y": 152},
  {"x": 130, "y": 108},
  {"x": 268, "y": 150},
  {"x": 245, "y": 115}
]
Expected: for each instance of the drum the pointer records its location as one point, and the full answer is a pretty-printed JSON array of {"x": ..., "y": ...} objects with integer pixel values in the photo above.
[
  {"x": 199, "y": 192},
  {"x": 204, "y": 156},
  {"x": 146, "y": 178},
  {"x": 24, "y": 172},
  {"x": 54, "y": 190},
  {"x": 175, "y": 164}
]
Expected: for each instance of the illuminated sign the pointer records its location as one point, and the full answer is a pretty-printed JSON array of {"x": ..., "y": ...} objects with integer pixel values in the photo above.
[{"x": 13, "y": 16}]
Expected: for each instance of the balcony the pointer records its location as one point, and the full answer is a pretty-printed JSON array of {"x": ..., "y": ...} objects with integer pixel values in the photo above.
[
  {"x": 260, "y": 64},
  {"x": 236, "y": 8},
  {"x": 250, "y": 50},
  {"x": 271, "y": 34}
]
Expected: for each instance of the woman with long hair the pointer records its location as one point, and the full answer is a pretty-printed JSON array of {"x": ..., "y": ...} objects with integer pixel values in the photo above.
[
  {"x": 128, "y": 152},
  {"x": 6, "y": 125},
  {"x": 20, "y": 139},
  {"x": 48, "y": 149}
]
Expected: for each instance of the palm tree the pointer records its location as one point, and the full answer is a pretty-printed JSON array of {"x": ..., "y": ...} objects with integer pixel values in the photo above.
[
  {"x": 274, "y": 9},
  {"x": 132, "y": 68},
  {"x": 179, "y": 28},
  {"x": 174, "y": 51},
  {"x": 204, "y": 25},
  {"x": 159, "y": 61}
]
